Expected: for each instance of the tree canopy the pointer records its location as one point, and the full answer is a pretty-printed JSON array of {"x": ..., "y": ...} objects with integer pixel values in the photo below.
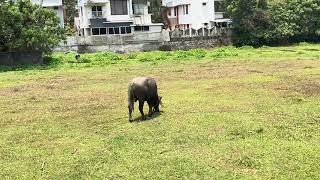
[
  {"x": 257, "y": 23},
  {"x": 27, "y": 27}
]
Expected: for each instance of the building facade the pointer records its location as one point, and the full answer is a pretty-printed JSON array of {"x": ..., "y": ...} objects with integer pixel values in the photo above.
[
  {"x": 196, "y": 14},
  {"x": 114, "y": 17},
  {"x": 55, "y": 5}
]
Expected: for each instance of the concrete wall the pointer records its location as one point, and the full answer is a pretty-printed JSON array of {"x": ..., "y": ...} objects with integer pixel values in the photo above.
[
  {"x": 147, "y": 36},
  {"x": 120, "y": 43},
  {"x": 121, "y": 48},
  {"x": 196, "y": 42},
  {"x": 20, "y": 58},
  {"x": 71, "y": 44},
  {"x": 130, "y": 43},
  {"x": 188, "y": 43}
]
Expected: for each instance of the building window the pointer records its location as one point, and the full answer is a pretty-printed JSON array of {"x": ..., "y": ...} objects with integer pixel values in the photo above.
[
  {"x": 110, "y": 30},
  {"x": 176, "y": 11},
  {"x": 116, "y": 30},
  {"x": 96, "y": 11},
  {"x": 169, "y": 12},
  {"x": 55, "y": 7},
  {"x": 141, "y": 28},
  {"x": 185, "y": 9},
  {"x": 103, "y": 30},
  {"x": 95, "y": 31},
  {"x": 204, "y": 4},
  {"x": 99, "y": 31},
  {"x": 123, "y": 30},
  {"x": 128, "y": 29},
  {"x": 119, "y": 30},
  {"x": 119, "y": 7},
  {"x": 138, "y": 7}
]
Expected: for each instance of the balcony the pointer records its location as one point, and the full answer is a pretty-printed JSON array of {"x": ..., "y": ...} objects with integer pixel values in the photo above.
[{"x": 98, "y": 22}]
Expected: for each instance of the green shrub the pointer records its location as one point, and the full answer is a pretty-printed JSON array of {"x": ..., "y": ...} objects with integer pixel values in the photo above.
[
  {"x": 111, "y": 56},
  {"x": 181, "y": 54},
  {"x": 152, "y": 56},
  {"x": 198, "y": 53},
  {"x": 304, "y": 44},
  {"x": 132, "y": 56},
  {"x": 224, "y": 52}
]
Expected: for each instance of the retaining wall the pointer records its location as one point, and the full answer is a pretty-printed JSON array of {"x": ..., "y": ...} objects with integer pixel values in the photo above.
[{"x": 20, "y": 58}]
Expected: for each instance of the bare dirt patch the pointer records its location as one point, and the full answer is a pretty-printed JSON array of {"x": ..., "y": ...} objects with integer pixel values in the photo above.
[{"x": 305, "y": 87}]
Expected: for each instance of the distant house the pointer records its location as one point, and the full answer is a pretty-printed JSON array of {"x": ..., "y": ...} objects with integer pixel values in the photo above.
[
  {"x": 55, "y": 5},
  {"x": 196, "y": 14},
  {"x": 114, "y": 17}
]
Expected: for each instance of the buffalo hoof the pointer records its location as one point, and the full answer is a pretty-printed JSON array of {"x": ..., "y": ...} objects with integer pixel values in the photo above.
[{"x": 130, "y": 120}]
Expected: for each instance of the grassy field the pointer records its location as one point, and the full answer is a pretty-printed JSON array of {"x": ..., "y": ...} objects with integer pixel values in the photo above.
[{"x": 228, "y": 113}]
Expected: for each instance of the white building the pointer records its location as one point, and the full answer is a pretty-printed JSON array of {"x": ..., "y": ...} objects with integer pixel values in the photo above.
[
  {"x": 55, "y": 5},
  {"x": 194, "y": 14},
  {"x": 109, "y": 17}
]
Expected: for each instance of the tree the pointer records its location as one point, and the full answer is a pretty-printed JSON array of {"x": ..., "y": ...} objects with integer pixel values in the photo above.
[
  {"x": 156, "y": 9},
  {"x": 26, "y": 27},
  {"x": 295, "y": 21},
  {"x": 257, "y": 23},
  {"x": 262, "y": 4},
  {"x": 70, "y": 12},
  {"x": 250, "y": 22}
]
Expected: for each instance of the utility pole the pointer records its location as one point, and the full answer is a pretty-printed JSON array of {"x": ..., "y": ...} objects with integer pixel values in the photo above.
[{"x": 41, "y": 2}]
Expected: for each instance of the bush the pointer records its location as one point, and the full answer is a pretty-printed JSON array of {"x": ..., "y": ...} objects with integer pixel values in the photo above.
[
  {"x": 198, "y": 53},
  {"x": 181, "y": 54},
  {"x": 111, "y": 56},
  {"x": 152, "y": 56},
  {"x": 132, "y": 56}
]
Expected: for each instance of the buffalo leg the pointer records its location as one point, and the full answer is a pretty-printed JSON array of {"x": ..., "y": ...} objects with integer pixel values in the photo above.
[
  {"x": 150, "y": 110},
  {"x": 130, "y": 113},
  {"x": 130, "y": 107},
  {"x": 141, "y": 103}
]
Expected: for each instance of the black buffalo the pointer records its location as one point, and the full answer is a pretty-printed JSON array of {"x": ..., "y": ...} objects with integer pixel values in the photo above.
[{"x": 143, "y": 89}]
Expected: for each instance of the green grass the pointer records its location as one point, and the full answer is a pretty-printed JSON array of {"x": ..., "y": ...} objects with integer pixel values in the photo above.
[{"x": 228, "y": 113}]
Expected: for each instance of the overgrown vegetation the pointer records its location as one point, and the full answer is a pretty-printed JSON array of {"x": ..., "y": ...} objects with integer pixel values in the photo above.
[
  {"x": 154, "y": 57},
  {"x": 156, "y": 9},
  {"x": 257, "y": 23},
  {"x": 71, "y": 13},
  {"x": 26, "y": 27}
]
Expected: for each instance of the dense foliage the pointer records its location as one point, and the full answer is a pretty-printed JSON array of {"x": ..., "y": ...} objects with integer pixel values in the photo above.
[
  {"x": 156, "y": 9},
  {"x": 71, "y": 12},
  {"x": 26, "y": 27},
  {"x": 257, "y": 23}
]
